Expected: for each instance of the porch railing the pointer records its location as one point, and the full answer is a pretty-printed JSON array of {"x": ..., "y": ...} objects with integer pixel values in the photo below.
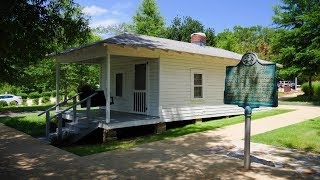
[{"x": 59, "y": 114}]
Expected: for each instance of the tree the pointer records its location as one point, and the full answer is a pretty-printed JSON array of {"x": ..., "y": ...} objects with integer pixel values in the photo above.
[
  {"x": 181, "y": 30},
  {"x": 255, "y": 39},
  {"x": 73, "y": 75},
  {"x": 298, "y": 40},
  {"x": 31, "y": 29},
  {"x": 115, "y": 29},
  {"x": 148, "y": 20}
]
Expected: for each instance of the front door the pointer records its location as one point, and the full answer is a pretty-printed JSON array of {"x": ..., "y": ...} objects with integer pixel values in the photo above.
[{"x": 140, "y": 89}]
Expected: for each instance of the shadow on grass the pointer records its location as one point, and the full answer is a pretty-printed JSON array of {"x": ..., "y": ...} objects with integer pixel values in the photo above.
[
  {"x": 303, "y": 99},
  {"x": 33, "y": 127}
]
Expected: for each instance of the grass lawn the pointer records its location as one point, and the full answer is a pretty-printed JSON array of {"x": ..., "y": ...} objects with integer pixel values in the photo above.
[
  {"x": 304, "y": 136},
  {"x": 24, "y": 108},
  {"x": 83, "y": 150},
  {"x": 280, "y": 94},
  {"x": 302, "y": 99},
  {"x": 30, "y": 124}
]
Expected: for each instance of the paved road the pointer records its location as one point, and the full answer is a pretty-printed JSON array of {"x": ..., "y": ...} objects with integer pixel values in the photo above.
[{"x": 186, "y": 157}]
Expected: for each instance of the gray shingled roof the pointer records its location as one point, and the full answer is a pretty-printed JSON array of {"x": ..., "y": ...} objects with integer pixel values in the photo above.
[
  {"x": 137, "y": 40},
  {"x": 168, "y": 44}
]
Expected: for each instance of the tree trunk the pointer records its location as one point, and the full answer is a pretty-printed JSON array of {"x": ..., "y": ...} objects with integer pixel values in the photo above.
[{"x": 310, "y": 88}]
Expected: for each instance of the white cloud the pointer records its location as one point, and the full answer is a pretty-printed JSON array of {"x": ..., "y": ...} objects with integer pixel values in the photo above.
[
  {"x": 104, "y": 23},
  {"x": 94, "y": 10},
  {"x": 122, "y": 5}
]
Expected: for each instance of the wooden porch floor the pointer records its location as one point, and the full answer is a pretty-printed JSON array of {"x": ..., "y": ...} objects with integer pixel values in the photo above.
[{"x": 117, "y": 119}]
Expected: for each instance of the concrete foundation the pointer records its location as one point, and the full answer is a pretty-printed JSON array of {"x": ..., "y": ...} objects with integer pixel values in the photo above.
[
  {"x": 109, "y": 134},
  {"x": 160, "y": 128}
]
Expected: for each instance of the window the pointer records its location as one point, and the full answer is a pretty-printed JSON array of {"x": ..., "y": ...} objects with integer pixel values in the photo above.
[
  {"x": 119, "y": 84},
  {"x": 197, "y": 85}
]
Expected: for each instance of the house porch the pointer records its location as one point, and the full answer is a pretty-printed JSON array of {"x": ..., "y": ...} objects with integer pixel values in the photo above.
[{"x": 118, "y": 119}]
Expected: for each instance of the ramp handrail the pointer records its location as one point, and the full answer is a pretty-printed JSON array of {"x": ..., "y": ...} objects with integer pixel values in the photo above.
[
  {"x": 59, "y": 114},
  {"x": 63, "y": 102},
  {"x": 85, "y": 99}
]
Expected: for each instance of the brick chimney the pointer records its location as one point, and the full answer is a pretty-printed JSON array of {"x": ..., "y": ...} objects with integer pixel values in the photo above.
[{"x": 198, "y": 38}]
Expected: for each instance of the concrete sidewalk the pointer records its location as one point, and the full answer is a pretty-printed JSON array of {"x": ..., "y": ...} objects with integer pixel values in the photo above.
[{"x": 186, "y": 157}]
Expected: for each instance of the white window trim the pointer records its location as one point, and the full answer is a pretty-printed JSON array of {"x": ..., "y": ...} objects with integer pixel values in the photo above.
[
  {"x": 192, "y": 72},
  {"x": 123, "y": 84}
]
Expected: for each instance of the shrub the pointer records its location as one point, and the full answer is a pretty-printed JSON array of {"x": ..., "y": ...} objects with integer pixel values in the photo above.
[
  {"x": 24, "y": 102},
  {"x": 36, "y": 101},
  {"x": 7, "y": 88},
  {"x": 23, "y": 95},
  {"x": 72, "y": 93},
  {"x": 53, "y": 93},
  {"x": 45, "y": 99},
  {"x": 3, "y": 103},
  {"x": 12, "y": 103},
  {"x": 46, "y": 94},
  {"x": 34, "y": 95},
  {"x": 315, "y": 88}
]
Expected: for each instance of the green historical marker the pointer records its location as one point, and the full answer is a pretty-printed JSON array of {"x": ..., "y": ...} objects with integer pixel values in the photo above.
[{"x": 251, "y": 84}]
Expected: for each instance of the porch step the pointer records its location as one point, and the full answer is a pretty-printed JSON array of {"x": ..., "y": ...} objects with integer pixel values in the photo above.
[{"x": 74, "y": 131}]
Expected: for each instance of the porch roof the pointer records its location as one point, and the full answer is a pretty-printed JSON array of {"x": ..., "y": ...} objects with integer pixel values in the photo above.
[{"x": 137, "y": 40}]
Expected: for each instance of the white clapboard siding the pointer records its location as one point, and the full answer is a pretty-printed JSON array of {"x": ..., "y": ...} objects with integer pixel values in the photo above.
[
  {"x": 125, "y": 65},
  {"x": 188, "y": 113},
  {"x": 176, "y": 100},
  {"x": 153, "y": 87}
]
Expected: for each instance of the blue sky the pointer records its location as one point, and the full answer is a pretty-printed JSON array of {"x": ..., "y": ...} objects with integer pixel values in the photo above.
[{"x": 216, "y": 14}]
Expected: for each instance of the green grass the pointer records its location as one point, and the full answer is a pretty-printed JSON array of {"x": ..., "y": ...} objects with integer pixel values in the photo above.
[
  {"x": 83, "y": 150},
  {"x": 303, "y": 136},
  {"x": 302, "y": 100},
  {"x": 30, "y": 124},
  {"x": 24, "y": 108},
  {"x": 280, "y": 94}
]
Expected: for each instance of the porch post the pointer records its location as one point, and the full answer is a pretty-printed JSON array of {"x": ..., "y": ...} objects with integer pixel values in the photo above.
[
  {"x": 57, "y": 85},
  {"x": 108, "y": 88}
]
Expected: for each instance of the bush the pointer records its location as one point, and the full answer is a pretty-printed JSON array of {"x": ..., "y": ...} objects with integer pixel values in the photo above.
[
  {"x": 315, "y": 88},
  {"x": 34, "y": 95},
  {"x": 45, "y": 99},
  {"x": 23, "y": 95},
  {"x": 72, "y": 93},
  {"x": 53, "y": 93},
  {"x": 46, "y": 94},
  {"x": 3, "y": 103},
  {"x": 12, "y": 103},
  {"x": 24, "y": 102},
  {"x": 7, "y": 88},
  {"x": 36, "y": 101}
]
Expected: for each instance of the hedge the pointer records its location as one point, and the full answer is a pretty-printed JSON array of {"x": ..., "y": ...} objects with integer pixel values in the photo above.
[
  {"x": 315, "y": 88},
  {"x": 3, "y": 103},
  {"x": 46, "y": 94},
  {"x": 34, "y": 95},
  {"x": 23, "y": 95}
]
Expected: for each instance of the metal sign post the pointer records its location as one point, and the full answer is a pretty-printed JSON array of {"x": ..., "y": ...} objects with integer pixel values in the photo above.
[
  {"x": 247, "y": 114},
  {"x": 250, "y": 84}
]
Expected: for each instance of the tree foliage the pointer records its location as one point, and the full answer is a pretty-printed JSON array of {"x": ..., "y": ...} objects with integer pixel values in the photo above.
[
  {"x": 72, "y": 76},
  {"x": 31, "y": 29},
  {"x": 182, "y": 28},
  {"x": 148, "y": 20},
  {"x": 255, "y": 39},
  {"x": 115, "y": 29},
  {"x": 298, "y": 40}
]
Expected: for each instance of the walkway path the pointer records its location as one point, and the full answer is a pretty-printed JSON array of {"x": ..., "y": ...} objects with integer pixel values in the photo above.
[{"x": 192, "y": 156}]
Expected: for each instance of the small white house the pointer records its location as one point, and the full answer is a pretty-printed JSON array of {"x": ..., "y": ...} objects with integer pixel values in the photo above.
[{"x": 160, "y": 78}]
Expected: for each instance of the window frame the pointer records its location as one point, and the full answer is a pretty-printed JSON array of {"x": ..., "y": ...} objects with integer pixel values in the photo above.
[{"x": 192, "y": 85}]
